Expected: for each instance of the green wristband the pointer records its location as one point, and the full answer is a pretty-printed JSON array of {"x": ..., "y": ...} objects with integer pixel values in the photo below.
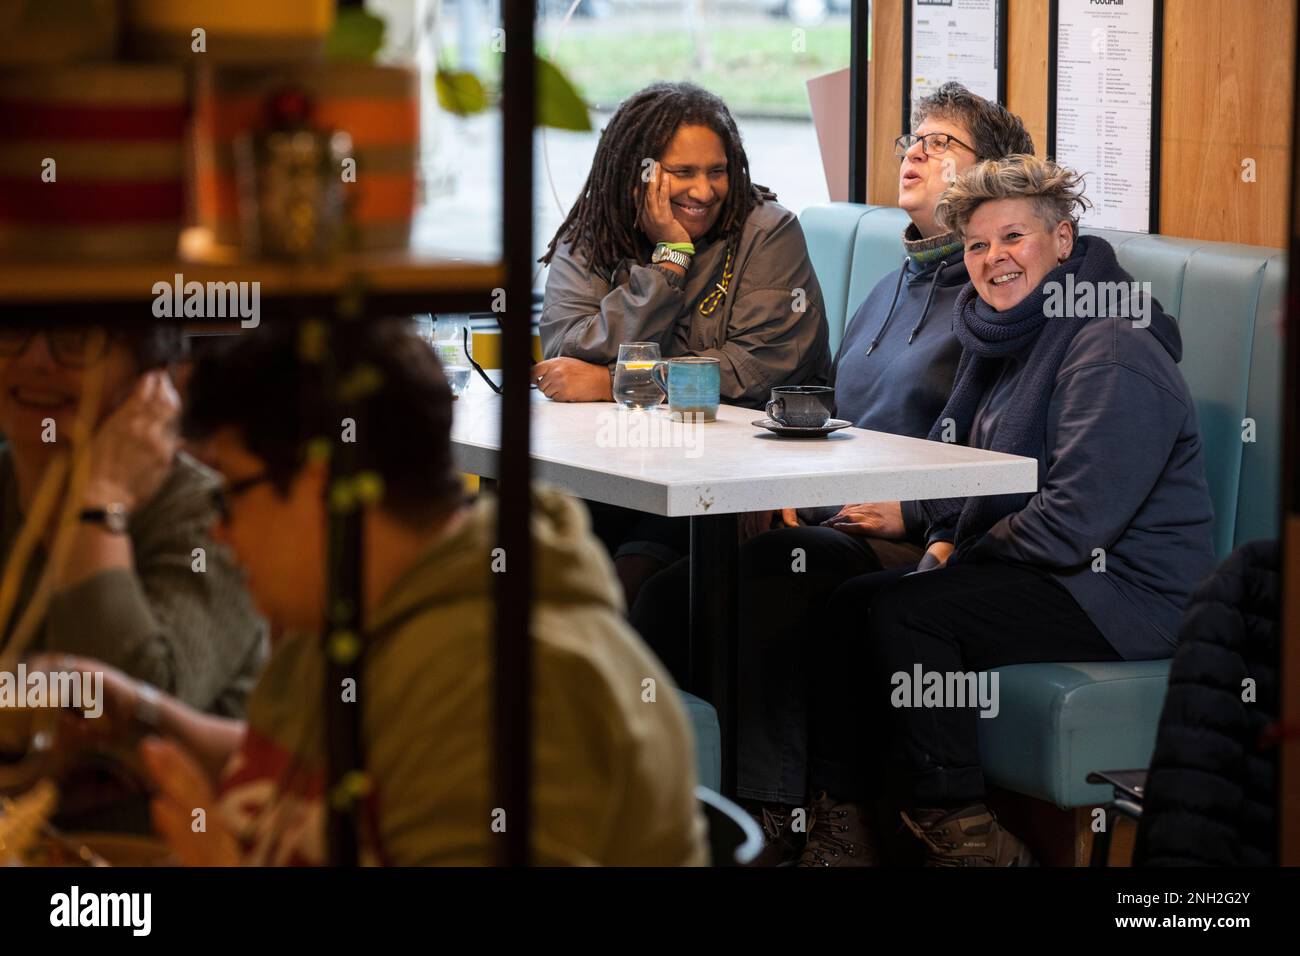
[{"x": 686, "y": 247}]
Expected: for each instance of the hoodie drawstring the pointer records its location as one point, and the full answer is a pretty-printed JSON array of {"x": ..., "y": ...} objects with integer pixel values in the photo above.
[
  {"x": 892, "y": 302},
  {"x": 928, "y": 299}
]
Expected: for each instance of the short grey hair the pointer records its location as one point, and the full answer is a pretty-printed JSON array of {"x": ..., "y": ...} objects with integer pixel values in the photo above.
[
  {"x": 1055, "y": 191},
  {"x": 996, "y": 131}
]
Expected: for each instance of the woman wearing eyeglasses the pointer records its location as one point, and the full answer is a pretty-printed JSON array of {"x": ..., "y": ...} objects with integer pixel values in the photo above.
[{"x": 144, "y": 587}]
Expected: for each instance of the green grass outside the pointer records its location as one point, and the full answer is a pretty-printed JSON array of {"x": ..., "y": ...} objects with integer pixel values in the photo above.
[{"x": 756, "y": 69}]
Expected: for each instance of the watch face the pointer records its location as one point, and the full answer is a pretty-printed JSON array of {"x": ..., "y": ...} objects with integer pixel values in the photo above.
[{"x": 114, "y": 518}]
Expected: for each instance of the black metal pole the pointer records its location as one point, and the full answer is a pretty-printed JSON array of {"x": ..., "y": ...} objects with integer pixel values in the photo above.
[
  {"x": 859, "y": 25},
  {"x": 714, "y": 643},
  {"x": 907, "y": 66},
  {"x": 511, "y": 710},
  {"x": 343, "y": 638},
  {"x": 1288, "y": 778}
]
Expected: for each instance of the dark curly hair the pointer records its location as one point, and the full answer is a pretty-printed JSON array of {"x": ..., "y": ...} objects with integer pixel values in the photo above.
[
  {"x": 257, "y": 383},
  {"x": 155, "y": 344},
  {"x": 602, "y": 225},
  {"x": 996, "y": 131}
]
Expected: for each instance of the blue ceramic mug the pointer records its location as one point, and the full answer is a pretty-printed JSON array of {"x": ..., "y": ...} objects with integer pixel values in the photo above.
[{"x": 692, "y": 384}]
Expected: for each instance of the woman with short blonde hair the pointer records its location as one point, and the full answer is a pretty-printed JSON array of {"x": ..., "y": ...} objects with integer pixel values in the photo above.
[
  {"x": 1068, "y": 361},
  {"x": 1054, "y": 191}
]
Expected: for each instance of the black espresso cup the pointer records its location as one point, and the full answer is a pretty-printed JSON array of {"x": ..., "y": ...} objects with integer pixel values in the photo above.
[{"x": 801, "y": 406}]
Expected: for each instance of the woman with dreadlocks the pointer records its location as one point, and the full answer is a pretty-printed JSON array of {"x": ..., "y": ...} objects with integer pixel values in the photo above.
[{"x": 670, "y": 242}]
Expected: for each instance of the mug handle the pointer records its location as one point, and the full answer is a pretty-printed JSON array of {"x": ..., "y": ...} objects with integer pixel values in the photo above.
[
  {"x": 775, "y": 415},
  {"x": 660, "y": 380}
]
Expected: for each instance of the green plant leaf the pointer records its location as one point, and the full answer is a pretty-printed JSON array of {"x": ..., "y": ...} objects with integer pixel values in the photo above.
[
  {"x": 558, "y": 104},
  {"x": 460, "y": 93},
  {"x": 357, "y": 35}
]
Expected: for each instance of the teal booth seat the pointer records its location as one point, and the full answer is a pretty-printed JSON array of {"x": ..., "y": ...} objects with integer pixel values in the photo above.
[
  {"x": 1059, "y": 722},
  {"x": 708, "y": 741}
]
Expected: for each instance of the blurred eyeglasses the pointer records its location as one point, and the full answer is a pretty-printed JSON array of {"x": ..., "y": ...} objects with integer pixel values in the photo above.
[
  {"x": 223, "y": 496},
  {"x": 934, "y": 144},
  {"x": 70, "y": 347}
]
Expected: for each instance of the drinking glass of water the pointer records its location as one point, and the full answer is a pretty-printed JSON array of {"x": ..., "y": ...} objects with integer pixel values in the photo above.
[
  {"x": 634, "y": 383},
  {"x": 449, "y": 342}
]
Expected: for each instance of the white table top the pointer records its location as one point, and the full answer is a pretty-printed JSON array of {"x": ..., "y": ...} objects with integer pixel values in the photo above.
[{"x": 643, "y": 460}]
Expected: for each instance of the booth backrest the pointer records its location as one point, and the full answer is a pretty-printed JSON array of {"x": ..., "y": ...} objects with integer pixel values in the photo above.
[{"x": 1228, "y": 301}]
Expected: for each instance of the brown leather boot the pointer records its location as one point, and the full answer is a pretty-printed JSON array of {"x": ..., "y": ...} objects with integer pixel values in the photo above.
[
  {"x": 967, "y": 837},
  {"x": 839, "y": 834},
  {"x": 781, "y": 844}
]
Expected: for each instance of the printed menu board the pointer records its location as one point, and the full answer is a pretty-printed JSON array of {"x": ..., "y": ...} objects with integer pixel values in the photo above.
[
  {"x": 1104, "y": 116},
  {"x": 953, "y": 40}
]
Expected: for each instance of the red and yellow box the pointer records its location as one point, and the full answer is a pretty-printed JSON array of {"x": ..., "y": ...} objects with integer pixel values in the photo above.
[
  {"x": 92, "y": 161},
  {"x": 234, "y": 31},
  {"x": 379, "y": 107}
]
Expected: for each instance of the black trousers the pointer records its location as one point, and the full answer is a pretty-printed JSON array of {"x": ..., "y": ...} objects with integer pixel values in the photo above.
[
  {"x": 786, "y": 580},
  {"x": 959, "y": 619},
  {"x": 626, "y": 531}
]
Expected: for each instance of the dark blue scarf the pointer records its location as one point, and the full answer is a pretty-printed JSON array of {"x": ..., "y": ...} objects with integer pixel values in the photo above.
[{"x": 987, "y": 336}]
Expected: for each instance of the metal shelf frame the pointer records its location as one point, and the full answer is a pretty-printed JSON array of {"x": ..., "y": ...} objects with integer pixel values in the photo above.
[{"x": 353, "y": 289}]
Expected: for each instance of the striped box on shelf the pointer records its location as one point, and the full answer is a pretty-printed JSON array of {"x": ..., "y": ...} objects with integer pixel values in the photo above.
[
  {"x": 379, "y": 107},
  {"x": 234, "y": 31},
  {"x": 91, "y": 161},
  {"x": 45, "y": 32}
]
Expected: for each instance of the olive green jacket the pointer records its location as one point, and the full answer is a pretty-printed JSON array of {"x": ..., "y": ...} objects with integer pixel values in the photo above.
[
  {"x": 192, "y": 633},
  {"x": 613, "y": 759}
]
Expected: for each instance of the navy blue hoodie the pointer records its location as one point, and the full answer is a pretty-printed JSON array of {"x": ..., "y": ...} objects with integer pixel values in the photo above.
[
  {"x": 901, "y": 387},
  {"x": 1122, "y": 472}
]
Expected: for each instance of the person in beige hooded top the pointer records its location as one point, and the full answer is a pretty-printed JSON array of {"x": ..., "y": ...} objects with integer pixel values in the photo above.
[{"x": 614, "y": 775}]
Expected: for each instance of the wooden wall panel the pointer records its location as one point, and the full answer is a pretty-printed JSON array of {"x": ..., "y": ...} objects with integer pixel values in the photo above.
[
  {"x": 886, "y": 95},
  {"x": 1027, "y": 22},
  {"x": 1227, "y": 98}
]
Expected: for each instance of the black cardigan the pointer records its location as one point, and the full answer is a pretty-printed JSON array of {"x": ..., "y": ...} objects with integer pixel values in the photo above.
[{"x": 1212, "y": 790}]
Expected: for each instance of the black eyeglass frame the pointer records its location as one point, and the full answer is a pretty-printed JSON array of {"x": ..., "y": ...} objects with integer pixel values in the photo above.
[
  {"x": 479, "y": 368},
  {"x": 15, "y": 341},
  {"x": 900, "y": 150},
  {"x": 223, "y": 495}
]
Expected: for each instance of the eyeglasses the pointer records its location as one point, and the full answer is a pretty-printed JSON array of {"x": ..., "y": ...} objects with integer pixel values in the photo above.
[
  {"x": 70, "y": 347},
  {"x": 933, "y": 144},
  {"x": 479, "y": 368},
  {"x": 223, "y": 496}
]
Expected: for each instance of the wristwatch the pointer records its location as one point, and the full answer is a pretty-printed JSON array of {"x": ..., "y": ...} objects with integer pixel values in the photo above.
[
  {"x": 664, "y": 254},
  {"x": 113, "y": 517}
]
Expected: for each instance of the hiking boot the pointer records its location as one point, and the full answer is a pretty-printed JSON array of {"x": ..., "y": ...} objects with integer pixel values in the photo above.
[
  {"x": 967, "y": 837},
  {"x": 839, "y": 834},
  {"x": 781, "y": 844}
]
